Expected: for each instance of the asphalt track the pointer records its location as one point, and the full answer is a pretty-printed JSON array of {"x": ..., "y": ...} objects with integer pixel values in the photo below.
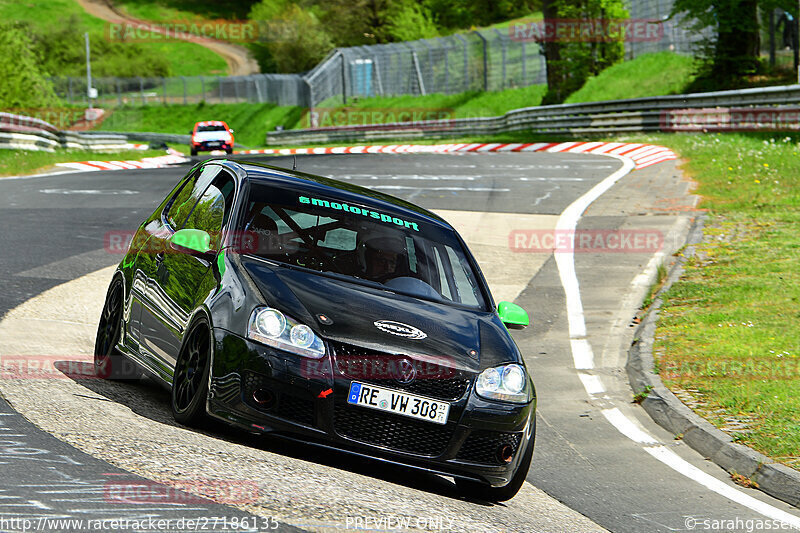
[{"x": 53, "y": 232}]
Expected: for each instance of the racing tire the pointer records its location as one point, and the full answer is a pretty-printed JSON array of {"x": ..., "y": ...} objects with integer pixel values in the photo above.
[
  {"x": 190, "y": 379},
  {"x": 193, "y": 151},
  {"x": 483, "y": 491},
  {"x": 109, "y": 363}
]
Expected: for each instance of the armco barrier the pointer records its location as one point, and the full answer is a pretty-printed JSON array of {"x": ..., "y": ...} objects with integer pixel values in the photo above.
[
  {"x": 18, "y": 132},
  {"x": 617, "y": 116}
]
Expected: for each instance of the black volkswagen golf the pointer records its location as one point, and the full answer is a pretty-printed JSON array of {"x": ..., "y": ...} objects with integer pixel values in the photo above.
[{"x": 316, "y": 310}]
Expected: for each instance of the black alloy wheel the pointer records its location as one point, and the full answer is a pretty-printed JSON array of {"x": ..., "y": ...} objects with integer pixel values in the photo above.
[{"x": 190, "y": 380}]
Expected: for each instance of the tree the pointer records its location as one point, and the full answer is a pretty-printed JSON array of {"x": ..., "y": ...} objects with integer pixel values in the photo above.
[
  {"x": 573, "y": 53},
  {"x": 734, "y": 48},
  {"x": 24, "y": 85}
]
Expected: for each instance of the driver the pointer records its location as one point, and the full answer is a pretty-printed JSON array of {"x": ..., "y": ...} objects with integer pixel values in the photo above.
[{"x": 383, "y": 257}]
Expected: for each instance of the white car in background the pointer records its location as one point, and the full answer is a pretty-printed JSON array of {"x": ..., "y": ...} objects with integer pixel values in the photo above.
[{"x": 211, "y": 135}]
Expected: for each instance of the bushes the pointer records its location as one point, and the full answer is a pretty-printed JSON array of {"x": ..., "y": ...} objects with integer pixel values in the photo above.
[
  {"x": 24, "y": 84},
  {"x": 63, "y": 53}
]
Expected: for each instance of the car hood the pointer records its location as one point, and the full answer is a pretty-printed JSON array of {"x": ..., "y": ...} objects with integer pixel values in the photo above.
[
  {"x": 212, "y": 136},
  {"x": 451, "y": 332}
]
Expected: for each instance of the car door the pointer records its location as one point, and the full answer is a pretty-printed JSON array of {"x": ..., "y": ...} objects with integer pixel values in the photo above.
[{"x": 175, "y": 276}]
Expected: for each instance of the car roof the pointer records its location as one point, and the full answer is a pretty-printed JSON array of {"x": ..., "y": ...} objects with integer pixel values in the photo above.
[
  {"x": 313, "y": 184},
  {"x": 210, "y": 123}
]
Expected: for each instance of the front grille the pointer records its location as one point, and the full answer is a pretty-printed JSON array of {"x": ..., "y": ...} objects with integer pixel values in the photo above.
[
  {"x": 370, "y": 366},
  {"x": 481, "y": 446},
  {"x": 411, "y": 436},
  {"x": 293, "y": 408},
  {"x": 284, "y": 405}
]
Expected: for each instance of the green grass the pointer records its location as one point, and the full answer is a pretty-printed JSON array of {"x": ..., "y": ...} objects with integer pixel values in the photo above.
[
  {"x": 654, "y": 74},
  {"x": 250, "y": 122},
  {"x": 461, "y": 105},
  {"x": 170, "y": 10},
  {"x": 185, "y": 59},
  {"x": 729, "y": 330},
  {"x": 22, "y": 162}
]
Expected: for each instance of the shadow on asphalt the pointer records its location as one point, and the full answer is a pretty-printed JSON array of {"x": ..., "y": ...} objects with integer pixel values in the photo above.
[{"x": 150, "y": 400}]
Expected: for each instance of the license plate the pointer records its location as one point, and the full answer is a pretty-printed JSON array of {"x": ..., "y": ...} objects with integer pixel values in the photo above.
[
  {"x": 392, "y": 401},
  {"x": 214, "y": 144}
]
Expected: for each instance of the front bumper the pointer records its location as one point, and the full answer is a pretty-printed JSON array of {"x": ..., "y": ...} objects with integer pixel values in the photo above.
[
  {"x": 209, "y": 146},
  {"x": 261, "y": 389}
]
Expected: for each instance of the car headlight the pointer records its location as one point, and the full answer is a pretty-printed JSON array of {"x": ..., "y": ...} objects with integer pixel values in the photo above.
[
  {"x": 508, "y": 383},
  {"x": 273, "y": 328}
]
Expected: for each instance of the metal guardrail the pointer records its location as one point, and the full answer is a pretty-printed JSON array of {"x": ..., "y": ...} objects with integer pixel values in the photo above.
[
  {"x": 19, "y": 132},
  {"x": 616, "y": 116}
]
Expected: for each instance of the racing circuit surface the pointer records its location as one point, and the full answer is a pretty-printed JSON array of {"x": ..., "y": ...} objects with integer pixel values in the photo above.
[{"x": 590, "y": 457}]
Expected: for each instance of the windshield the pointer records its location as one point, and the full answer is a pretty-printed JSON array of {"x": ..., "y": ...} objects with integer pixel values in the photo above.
[
  {"x": 218, "y": 127},
  {"x": 405, "y": 255}
]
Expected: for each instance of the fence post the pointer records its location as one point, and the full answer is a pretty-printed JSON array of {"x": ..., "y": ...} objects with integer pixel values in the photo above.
[
  {"x": 164, "y": 91},
  {"x": 503, "y": 45},
  {"x": 221, "y": 93},
  {"x": 466, "y": 60},
  {"x": 344, "y": 79},
  {"x": 377, "y": 71},
  {"x": 415, "y": 62},
  {"x": 524, "y": 71},
  {"x": 141, "y": 91},
  {"x": 485, "y": 60},
  {"x": 446, "y": 49},
  {"x": 183, "y": 78},
  {"x": 69, "y": 90},
  {"x": 119, "y": 92},
  {"x": 203, "y": 87}
]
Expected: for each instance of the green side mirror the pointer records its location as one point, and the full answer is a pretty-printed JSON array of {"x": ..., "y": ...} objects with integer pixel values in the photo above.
[
  {"x": 512, "y": 315},
  {"x": 191, "y": 241}
]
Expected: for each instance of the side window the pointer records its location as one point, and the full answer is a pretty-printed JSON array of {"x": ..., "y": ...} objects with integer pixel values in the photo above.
[
  {"x": 190, "y": 193},
  {"x": 213, "y": 207},
  {"x": 445, "y": 287},
  {"x": 466, "y": 285}
]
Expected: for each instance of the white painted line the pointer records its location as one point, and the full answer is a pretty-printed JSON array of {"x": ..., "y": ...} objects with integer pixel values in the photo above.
[
  {"x": 670, "y": 459},
  {"x": 592, "y": 384},
  {"x": 583, "y": 358},
  {"x": 627, "y": 427},
  {"x": 582, "y": 354}
]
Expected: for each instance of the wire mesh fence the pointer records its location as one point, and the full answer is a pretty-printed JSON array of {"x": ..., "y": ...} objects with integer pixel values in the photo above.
[
  {"x": 280, "y": 89},
  {"x": 488, "y": 60}
]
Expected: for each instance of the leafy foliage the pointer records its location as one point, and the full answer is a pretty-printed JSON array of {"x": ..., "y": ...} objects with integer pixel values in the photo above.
[
  {"x": 63, "y": 52},
  {"x": 24, "y": 82},
  {"x": 571, "y": 62},
  {"x": 733, "y": 49},
  {"x": 329, "y": 23}
]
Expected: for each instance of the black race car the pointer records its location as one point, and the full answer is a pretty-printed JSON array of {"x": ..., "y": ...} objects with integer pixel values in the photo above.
[{"x": 282, "y": 302}]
